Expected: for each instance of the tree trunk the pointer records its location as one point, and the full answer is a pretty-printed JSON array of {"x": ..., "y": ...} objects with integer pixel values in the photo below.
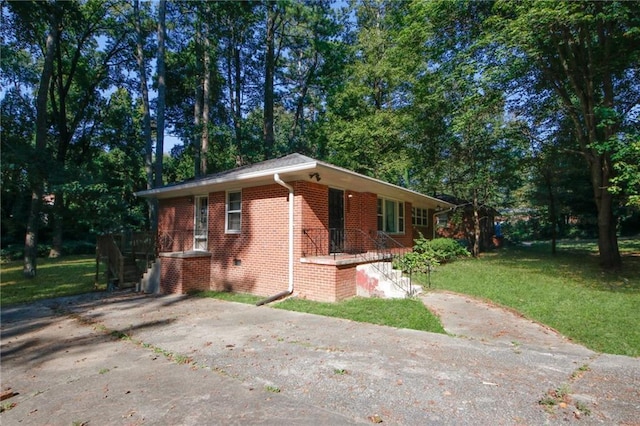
[
  {"x": 299, "y": 114},
  {"x": 269, "y": 71},
  {"x": 161, "y": 92},
  {"x": 206, "y": 81},
  {"x": 58, "y": 225},
  {"x": 607, "y": 237},
  {"x": 146, "y": 114},
  {"x": 197, "y": 106},
  {"x": 476, "y": 225},
  {"x": 552, "y": 209},
  {"x": 237, "y": 112},
  {"x": 64, "y": 140},
  {"x": 36, "y": 171}
]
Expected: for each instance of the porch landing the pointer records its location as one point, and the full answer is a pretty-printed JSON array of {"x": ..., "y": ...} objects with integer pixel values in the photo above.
[{"x": 342, "y": 259}]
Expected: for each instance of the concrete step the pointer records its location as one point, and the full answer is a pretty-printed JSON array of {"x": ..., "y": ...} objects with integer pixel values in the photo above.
[
  {"x": 150, "y": 282},
  {"x": 381, "y": 280}
]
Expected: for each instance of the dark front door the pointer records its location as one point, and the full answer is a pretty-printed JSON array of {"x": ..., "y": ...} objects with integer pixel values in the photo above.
[{"x": 336, "y": 220}]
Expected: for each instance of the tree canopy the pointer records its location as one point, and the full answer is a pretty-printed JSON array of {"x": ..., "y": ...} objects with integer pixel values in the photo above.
[{"x": 517, "y": 105}]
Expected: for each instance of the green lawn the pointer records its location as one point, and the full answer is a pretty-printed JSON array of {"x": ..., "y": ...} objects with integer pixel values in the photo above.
[
  {"x": 64, "y": 276},
  {"x": 401, "y": 313},
  {"x": 229, "y": 296},
  {"x": 568, "y": 292}
]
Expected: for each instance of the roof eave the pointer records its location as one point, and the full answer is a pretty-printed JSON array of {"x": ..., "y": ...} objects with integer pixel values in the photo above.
[{"x": 197, "y": 186}]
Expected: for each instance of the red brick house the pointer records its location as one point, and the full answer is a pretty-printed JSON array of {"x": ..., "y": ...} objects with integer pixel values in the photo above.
[
  {"x": 288, "y": 225},
  {"x": 458, "y": 223}
]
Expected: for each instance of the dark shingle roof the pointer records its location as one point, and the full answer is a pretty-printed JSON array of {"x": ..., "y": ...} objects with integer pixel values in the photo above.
[{"x": 275, "y": 163}]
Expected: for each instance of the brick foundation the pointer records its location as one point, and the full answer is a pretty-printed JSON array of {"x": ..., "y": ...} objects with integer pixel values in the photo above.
[{"x": 184, "y": 272}]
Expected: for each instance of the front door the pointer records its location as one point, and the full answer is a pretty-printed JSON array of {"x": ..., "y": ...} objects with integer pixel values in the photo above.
[{"x": 336, "y": 220}]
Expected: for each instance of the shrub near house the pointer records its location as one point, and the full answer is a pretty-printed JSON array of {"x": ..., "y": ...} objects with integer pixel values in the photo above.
[{"x": 428, "y": 254}]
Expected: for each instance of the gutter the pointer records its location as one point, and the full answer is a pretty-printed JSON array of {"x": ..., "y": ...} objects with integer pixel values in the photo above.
[{"x": 276, "y": 178}]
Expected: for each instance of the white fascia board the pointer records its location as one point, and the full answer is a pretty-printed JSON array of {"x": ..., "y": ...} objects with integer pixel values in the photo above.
[
  {"x": 203, "y": 183},
  {"x": 375, "y": 181}
]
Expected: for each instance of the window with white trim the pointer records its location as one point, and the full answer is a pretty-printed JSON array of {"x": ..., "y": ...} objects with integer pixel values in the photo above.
[
  {"x": 201, "y": 220},
  {"x": 419, "y": 217},
  {"x": 443, "y": 220},
  {"x": 390, "y": 216},
  {"x": 234, "y": 212}
]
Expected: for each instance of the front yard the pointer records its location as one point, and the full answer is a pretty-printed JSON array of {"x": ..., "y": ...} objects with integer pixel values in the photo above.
[
  {"x": 64, "y": 276},
  {"x": 567, "y": 292}
]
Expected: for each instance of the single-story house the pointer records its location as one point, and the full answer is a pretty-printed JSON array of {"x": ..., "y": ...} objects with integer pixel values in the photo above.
[{"x": 287, "y": 225}]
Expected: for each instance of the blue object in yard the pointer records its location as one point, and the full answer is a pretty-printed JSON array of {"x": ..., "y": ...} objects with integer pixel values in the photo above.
[{"x": 497, "y": 229}]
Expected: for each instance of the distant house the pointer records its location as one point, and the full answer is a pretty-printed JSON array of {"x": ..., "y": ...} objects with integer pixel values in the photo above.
[
  {"x": 291, "y": 224},
  {"x": 457, "y": 223}
]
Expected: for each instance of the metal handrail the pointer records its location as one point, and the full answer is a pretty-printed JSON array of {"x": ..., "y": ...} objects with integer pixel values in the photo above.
[
  {"x": 377, "y": 246},
  {"x": 175, "y": 240}
]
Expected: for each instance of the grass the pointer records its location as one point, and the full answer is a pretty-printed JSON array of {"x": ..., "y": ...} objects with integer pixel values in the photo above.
[
  {"x": 401, "y": 313},
  {"x": 64, "y": 276},
  {"x": 568, "y": 292},
  {"x": 229, "y": 296}
]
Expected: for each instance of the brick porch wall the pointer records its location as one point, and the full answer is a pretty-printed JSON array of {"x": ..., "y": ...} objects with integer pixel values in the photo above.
[
  {"x": 181, "y": 273},
  {"x": 325, "y": 283}
]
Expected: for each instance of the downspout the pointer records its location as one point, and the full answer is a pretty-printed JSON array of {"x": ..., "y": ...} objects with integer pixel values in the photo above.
[{"x": 287, "y": 292}]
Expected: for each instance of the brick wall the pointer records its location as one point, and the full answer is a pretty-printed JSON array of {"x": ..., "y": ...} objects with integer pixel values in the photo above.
[
  {"x": 181, "y": 274},
  {"x": 325, "y": 283},
  {"x": 175, "y": 224},
  {"x": 256, "y": 259},
  {"x": 171, "y": 276}
]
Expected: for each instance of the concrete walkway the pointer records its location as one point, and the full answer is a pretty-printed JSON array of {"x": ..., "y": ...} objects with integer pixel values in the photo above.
[
  {"x": 467, "y": 317},
  {"x": 130, "y": 360}
]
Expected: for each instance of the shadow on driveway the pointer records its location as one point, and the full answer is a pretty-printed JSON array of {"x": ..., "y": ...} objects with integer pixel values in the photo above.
[{"x": 205, "y": 361}]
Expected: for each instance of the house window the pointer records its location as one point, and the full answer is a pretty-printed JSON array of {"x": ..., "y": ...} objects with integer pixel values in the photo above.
[
  {"x": 234, "y": 212},
  {"x": 443, "y": 220},
  {"x": 419, "y": 217},
  {"x": 390, "y": 216},
  {"x": 201, "y": 220}
]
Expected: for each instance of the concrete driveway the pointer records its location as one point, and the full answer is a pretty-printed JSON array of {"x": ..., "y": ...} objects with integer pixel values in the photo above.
[{"x": 129, "y": 359}]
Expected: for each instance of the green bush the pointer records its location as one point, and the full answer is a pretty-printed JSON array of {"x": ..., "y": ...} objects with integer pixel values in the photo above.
[
  {"x": 447, "y": 249},
  {"x": 427, "y": 254}
]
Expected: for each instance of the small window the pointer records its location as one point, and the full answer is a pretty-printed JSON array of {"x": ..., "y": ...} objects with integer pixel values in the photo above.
[
  {"x": 234, "y": 212},
  {"x": 419, "y": 217},
  {"x": 390, "y": 216},
  {"x": 443, "y": 220}
]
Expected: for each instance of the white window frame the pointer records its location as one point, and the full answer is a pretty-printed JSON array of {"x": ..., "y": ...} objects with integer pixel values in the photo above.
[
  {"x": 229, "y": 211},
  {"x": 200, "y": 231},
  {"x": 399, "y": 215},
  {"x": 419, "y": 216}
]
